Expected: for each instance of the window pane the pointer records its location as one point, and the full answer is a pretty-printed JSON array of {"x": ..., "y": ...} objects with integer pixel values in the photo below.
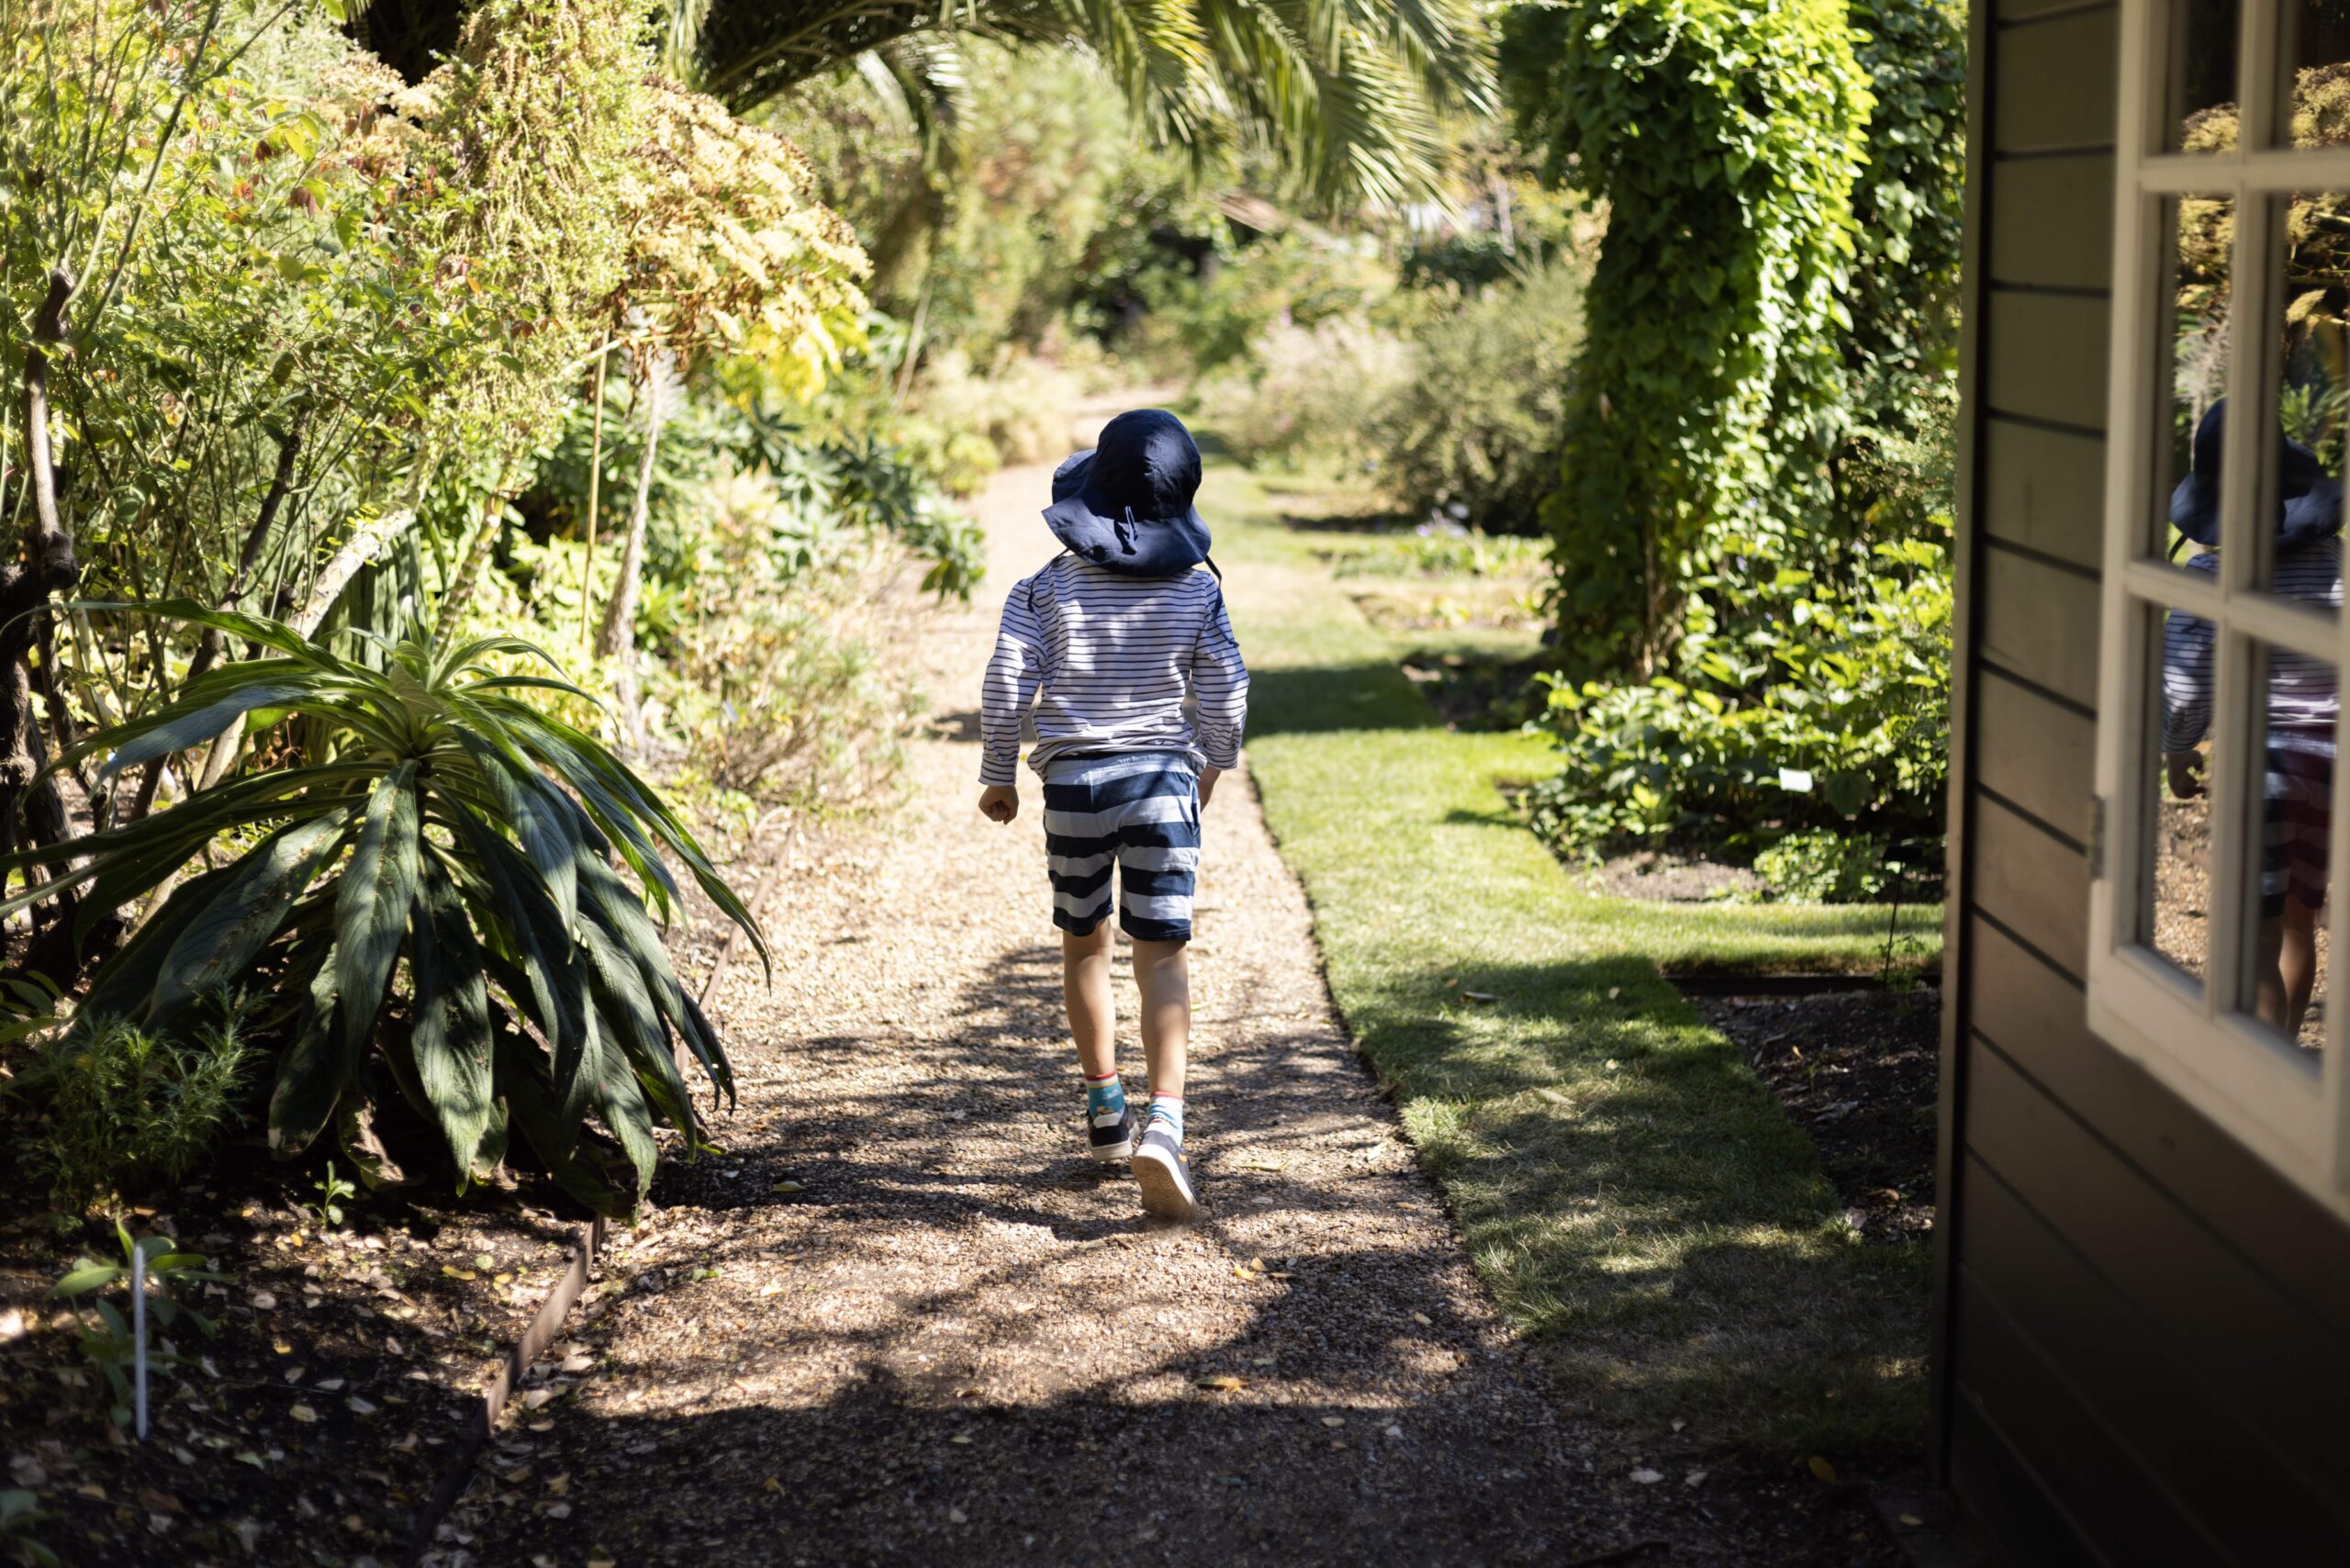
[
  {"x": 2201, "y": 104},
  {"x": 2191, "y": 410},
  {"x": 2175, "y": 856},
  {"x": 2302, "y": 460},
  {"x": 2314, "y": 93},
  {"x": 2285, "y": 953}
]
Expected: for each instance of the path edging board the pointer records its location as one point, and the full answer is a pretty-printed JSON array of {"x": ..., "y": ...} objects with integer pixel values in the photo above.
[{"x": 586, "y": 1246}]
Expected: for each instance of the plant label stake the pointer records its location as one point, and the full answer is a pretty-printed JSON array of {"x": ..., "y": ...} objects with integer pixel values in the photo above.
[{"x": 139, "y": 1333}]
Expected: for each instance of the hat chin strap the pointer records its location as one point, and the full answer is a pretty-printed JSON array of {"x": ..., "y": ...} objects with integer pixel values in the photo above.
[{"x": 1125, "y": 526}]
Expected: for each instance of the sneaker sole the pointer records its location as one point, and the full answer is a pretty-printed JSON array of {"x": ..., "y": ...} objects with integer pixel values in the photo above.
[
  {"x": 1164, "y": 1191},
  {"x": 1109, "y": 1153}
]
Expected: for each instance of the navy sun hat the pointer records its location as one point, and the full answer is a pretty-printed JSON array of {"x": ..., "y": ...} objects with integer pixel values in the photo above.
[
  {"x": 2309, "y": 499},
  {"x": 1127, "y": 505}
]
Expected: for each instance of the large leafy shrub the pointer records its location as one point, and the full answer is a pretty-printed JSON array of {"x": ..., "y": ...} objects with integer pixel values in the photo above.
[
  {"x": 1309, "y": 391},
  {"x": 1475, "y": 433},
  {"x": 1724, "y": 136},
  {"x": 1833, "y": 714},
  {"x": 432, "y": 891}
]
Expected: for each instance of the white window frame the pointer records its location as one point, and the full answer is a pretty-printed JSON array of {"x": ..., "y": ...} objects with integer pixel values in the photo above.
[{"x": 2290, "y": 1109}]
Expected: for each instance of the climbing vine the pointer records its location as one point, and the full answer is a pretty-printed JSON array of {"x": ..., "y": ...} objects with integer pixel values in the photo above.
[{"x": 1724, "y": 137}]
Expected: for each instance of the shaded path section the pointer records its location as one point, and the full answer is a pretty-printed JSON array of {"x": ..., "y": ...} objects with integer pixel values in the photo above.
[{"x": 901, "y": 1316}]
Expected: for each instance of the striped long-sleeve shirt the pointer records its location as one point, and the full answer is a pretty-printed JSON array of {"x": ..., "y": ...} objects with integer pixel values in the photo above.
[
  {"x": 2304, "y": 694},
  {"x": 1107, "y": 662}
]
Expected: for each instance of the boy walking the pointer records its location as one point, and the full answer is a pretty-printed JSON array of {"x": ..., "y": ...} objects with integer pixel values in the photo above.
[{"x": 1105, "y": 642}]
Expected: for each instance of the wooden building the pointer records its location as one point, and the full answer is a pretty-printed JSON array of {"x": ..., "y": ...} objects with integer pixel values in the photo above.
[{"x": 2142, "y": 1351}]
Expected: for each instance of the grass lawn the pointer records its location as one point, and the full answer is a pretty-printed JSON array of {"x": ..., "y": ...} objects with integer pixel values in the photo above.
[{"x": 1638, "y": 1202}]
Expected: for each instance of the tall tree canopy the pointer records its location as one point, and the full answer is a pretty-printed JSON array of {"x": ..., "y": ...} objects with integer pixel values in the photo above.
[{"x": 1348, "y": 93}]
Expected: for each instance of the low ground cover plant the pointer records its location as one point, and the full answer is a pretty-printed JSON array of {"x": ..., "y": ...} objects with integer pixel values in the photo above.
[
  {"x": 107, "y": 1341},
  {"x": 107, "y": 1106}
]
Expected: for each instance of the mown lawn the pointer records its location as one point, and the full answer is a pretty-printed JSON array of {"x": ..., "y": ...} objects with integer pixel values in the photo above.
[{"x": 1638, "y": 1202}]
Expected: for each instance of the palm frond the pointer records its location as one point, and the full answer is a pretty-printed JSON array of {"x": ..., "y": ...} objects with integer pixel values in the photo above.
[{"x": 1346, "y": 92}]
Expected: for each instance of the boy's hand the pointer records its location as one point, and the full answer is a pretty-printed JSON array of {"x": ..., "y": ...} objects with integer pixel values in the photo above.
[
  {"x": 1208, "y": 776},
  {"x": 1000, "y": 803}
]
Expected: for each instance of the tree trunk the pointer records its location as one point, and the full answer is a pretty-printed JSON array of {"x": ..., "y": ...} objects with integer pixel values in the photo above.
[
  {"x": 45, "y": 564},
  {"x": 617, "y": 641},
  {"x": 619, "y": 631},
  {"x": 594, "y": 500},
  {"x": 215, "y": 642},
  {"x": 461, "y": 588},
  {"x": 341, "y": 567}
]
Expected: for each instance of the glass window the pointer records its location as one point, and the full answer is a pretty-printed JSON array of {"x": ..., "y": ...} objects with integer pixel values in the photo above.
[
  {"x": 2313, "y": 84},
  {"x": 2195, "y": 300},
  {"x": 2290, "y": 839},
  {"x": 2174, "y": 851},
  {"x": 2201, "y": 104},
  {"x": 2215, "y": 844},
  {"x": 2301, "y": 482}
]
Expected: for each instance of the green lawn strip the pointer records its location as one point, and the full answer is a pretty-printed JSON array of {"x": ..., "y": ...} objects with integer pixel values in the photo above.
[{"x": 1639, "y": 1204}]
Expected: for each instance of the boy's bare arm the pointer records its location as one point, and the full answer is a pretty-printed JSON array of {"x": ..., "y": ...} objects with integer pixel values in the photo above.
[{"x": 1208, "y": 776}]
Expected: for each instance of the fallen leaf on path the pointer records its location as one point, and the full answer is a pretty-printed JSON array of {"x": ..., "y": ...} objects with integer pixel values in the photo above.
[
  {"x": 1334, "y": 1421},
  {"x": 1647, "y": 1477},
  {"x": 1479, "y": 996},
  {"x": 1224, "y": 1380},
  {"x": 303, "y": 1414},
  {"x": 1821, "y": 1468},
  {"x": 1912, "y": 1520}
]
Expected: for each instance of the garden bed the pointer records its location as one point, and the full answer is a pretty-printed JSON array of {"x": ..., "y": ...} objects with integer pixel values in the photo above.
[
  {"x": 1859, "y": 1070},
  {"x": 345, "y": 1364}
]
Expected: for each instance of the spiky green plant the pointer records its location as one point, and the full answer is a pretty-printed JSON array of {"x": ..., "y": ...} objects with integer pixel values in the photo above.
[{"x": 435, "y": 885}]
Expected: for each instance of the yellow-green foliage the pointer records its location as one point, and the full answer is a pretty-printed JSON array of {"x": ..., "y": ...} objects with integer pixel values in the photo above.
[
  {"x": 727, "y": 245},
  {"x": 536, "y": 116}
]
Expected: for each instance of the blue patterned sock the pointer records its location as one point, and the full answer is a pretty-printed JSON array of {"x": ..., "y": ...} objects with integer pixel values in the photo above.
[
  {"x": 1168, "y": 1109},
  {"x": 1104, "y": 1096}
]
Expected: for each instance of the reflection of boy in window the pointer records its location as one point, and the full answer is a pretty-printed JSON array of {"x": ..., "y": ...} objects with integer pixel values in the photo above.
[{"x": 2304, "y": 701}]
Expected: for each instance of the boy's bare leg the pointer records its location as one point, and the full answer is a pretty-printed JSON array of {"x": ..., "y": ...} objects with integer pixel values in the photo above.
[
  {"x": 2297, "y": 964},
  {"x": 1164, "y": 977},
  {"x": 1085, "y": 987},
  {"x": 2286, "y": 967}
]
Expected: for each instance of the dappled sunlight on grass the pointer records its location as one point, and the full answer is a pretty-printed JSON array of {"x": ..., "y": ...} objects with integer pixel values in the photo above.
[{"x": 1637, "y": 1200}]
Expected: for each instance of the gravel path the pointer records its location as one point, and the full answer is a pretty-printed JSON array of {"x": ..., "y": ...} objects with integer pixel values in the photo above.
[
  {"x": 956, "y": 1333},
  {"x": 901, "y": 1317}
]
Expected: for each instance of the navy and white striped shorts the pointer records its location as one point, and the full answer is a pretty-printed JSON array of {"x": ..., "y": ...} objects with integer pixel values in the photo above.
[{"x": 1140, "y": 809}]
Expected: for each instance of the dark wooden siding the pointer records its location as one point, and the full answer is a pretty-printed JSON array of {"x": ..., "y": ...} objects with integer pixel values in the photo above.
[{"x": 2142, "y": 1337}]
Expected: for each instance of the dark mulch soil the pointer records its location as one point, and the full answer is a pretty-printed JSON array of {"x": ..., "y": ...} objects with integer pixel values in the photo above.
[
  {"x": 1476, "y": 694},
  {"x": 316, "y": 1420},
  {"x": 1669, "y": 876},
  {"x": 1858, "y": 1071}
]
